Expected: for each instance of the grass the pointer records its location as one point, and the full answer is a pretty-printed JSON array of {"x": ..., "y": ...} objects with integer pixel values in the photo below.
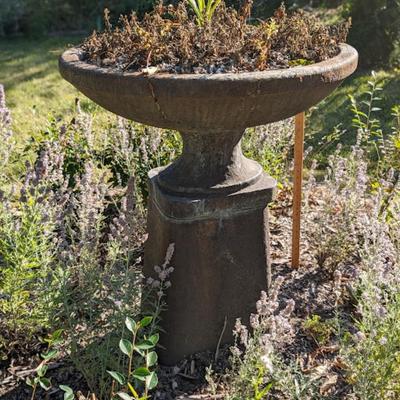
[
  {"x": 34, "y": 88},
  {"x": 35, "y": 91}
]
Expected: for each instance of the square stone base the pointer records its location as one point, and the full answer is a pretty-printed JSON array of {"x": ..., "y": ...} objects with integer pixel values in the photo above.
[{"x": 221, "y": 262}]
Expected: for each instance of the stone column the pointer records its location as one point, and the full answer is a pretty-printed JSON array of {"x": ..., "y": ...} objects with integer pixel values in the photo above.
[{"x": 212, "y": 203}]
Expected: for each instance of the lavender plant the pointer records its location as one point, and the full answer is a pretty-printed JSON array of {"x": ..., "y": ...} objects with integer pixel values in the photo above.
[
  {"x": 352, "y": 221},
  {"x": 372, "y": 353},
  {"x": 331, "y": 209},
  {"x": 350, "y": 183},
  {"x": 71, "y": 238},
  {"x": 29, "y": 216},
  {"x": 271, "y": 145},
  {"x": 132, "y": 150},
  {"x": 255, "y": 355}
]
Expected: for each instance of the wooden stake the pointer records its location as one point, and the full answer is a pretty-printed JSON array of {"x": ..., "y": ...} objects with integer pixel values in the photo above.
[{"x": 297, "y": 187}]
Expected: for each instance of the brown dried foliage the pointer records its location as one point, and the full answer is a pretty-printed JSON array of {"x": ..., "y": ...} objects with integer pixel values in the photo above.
[{"x": 170, "y": 39}]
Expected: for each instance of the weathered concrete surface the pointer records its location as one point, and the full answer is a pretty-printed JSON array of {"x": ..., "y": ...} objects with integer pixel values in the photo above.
[
  {"x": 226, "y": 101},
  {"x": 221, "y": 261}
]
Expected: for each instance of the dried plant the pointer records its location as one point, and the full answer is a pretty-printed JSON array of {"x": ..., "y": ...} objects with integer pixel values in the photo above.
[{"x": 171, "y": 40}]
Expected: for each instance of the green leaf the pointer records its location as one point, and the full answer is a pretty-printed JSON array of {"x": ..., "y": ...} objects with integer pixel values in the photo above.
[
  {"x": 41, "y": 370},
  {"x": 146, "y": 321},
  {"x": 212, "y": 9},
  {"x": 152, "y": 381},
  {"x": 141, "y": 373},
  {"x": 145, "y": 345},
  {"x": 126, "y": 347},
  {"x": 130, "y": 324},
  {"x": 69, "y": 393},
  {"x": 151, "y": 359},
  {"x": 154, "y": 338},
  {"x": 200, "y": 5},
  {"x": 261, "y": 394},
  {"x": 56, "y": 334},
  {"x": 45, "y": 383},
  {"x": 124, "y": 396},
  {"x": 66, "y": 389},
  {"x": 30, "y": 382},
  {"x": 141, "y": 352},
  {"x": 117, "y": 376},
  {"x": 55, "y": 337},
  {"x": 50, "y": 354}
]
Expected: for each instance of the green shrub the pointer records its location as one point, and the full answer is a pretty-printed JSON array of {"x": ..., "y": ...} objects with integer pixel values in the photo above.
[
  {"x": 376, "y": 30},
  {"x": 36, "y": 17}
]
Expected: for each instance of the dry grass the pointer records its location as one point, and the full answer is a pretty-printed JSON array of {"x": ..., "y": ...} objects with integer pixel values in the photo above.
[{"x": 171, "y": 40}]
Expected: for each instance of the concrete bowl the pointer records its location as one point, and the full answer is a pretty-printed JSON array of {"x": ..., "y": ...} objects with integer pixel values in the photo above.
[{"x": 220, "y": 102}]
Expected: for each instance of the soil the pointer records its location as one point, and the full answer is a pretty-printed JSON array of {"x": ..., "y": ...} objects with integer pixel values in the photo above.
[
  {"x": 310, "y": 286},
  {"x": 170, "y": 39}
]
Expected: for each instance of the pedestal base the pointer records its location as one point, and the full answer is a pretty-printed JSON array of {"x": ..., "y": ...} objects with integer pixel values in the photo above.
[{"x": 221, "y": 262}]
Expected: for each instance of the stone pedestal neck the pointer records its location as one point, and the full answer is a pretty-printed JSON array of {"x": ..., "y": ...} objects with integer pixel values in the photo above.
[{"x": 211, "y": 162}]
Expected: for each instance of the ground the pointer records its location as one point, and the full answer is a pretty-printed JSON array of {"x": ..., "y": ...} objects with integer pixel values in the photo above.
[{"x": 310, "y": 286}]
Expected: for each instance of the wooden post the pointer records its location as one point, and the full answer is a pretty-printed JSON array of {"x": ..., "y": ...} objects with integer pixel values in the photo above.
[{"x": 297, "y": 187}]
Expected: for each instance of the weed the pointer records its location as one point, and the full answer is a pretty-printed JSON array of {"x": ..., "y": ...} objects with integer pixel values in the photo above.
[{"x": 320, "y": 331}]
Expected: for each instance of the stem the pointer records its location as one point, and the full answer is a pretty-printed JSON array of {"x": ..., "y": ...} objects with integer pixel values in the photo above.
[
  {"x": 146, "y": 389},
  {"x": 112, "y": 388},
  {"x": 34, "y": 391},
  {"x": 131, "y": 355}
]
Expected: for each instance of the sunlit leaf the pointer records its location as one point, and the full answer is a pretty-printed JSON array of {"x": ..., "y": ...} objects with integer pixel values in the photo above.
[
  {"x": 124, "y": 396},
  {"x": 50, "y": 354},
  {"x": 141, "y": 373},
  {"x": 146, "y": 321},
  {"x": 45, "y": 383},
  {"x": 154, "y": 338},
  {"x": 152, "y": 381},
  {"x": 126, "y": 347},
  {"x": 151, "y": 358},
  {"x": 117, "y": 376},
  {"x": 69, "y": 393},
  {"x": 145, "y": 345},
  {"x": 41, "y": 370},
  {"x": 130, "y": 324}
]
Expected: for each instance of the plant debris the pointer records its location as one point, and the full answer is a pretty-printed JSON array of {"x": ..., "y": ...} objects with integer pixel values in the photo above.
[{"x": 170, "y": 39}]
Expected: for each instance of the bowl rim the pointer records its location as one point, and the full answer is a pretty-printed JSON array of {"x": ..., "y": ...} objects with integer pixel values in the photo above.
[{"x": 335, "y": 68}]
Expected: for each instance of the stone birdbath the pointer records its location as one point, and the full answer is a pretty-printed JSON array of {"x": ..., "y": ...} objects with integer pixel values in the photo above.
[{"x": 212, "y": 201}]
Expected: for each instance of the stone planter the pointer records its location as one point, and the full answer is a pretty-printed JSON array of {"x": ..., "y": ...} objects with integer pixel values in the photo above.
[{"x": 212, "y": 201}]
